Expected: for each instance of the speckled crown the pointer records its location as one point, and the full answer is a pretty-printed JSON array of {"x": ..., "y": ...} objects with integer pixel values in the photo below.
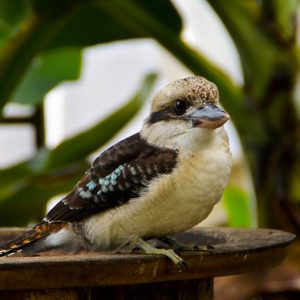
[{"x": 196, "y": 89}]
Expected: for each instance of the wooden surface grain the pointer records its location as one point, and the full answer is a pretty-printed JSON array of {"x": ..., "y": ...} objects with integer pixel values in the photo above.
[{"x": 236, "y": 251}]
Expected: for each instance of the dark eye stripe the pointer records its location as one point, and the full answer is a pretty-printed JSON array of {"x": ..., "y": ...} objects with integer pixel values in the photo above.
[
  {"x": 157, "y": 116},
  {"x": 174, "y": 111}
]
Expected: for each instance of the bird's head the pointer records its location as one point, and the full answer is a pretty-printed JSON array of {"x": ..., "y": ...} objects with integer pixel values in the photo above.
[{"x": 183, "y": 112}]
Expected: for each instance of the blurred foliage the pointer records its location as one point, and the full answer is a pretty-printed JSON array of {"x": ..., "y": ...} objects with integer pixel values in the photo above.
[
  {"x": 238, "y": 205},
  {"x": 37, "y": 35},
  {"x": 41, "y": 46},
  {"x": 45, "y": 72},
  {"x": 25, "y": 188}
]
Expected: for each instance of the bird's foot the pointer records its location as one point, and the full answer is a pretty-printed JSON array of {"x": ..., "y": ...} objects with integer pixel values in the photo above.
[
  {"x": 178, "y": 246},
  {"x": 139, "y": 245}
]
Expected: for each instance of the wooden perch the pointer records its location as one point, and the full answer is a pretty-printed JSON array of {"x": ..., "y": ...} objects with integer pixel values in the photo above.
[{"x": 105, "y": 275}]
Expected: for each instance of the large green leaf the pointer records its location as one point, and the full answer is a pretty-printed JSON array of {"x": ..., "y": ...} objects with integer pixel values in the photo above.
[
  {"x": 12, "y": 12},
  {"x": 45, "y": 72},
  {"x": 91, "y": 24},
  {"x": 20, "y": 50},
  {"x": 62, "y": 23},
  {"x": 27, "y": 204}
]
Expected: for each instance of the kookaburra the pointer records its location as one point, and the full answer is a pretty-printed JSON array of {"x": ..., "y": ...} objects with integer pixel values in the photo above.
[{"x": 160, "y": 181}]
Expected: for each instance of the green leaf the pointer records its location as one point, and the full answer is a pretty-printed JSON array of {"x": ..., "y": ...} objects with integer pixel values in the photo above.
[
  {"x": 238, "y": 207},
  {"x": 45, "y": 72},
  {"x": 17, "y": 54},
  {"x": 28, "y": 203},
  {"x": 62, "y": 23},
  {"x": 92, "y": 24},
  {"x": 12, "y": 12},
  {"x": 282, "y": 14},
  {"x": 243, "y": 25},
  {"x": 15, "y": 178},
  {"x": 285, "y": 15},
  {"x": 85, "y": 143}
]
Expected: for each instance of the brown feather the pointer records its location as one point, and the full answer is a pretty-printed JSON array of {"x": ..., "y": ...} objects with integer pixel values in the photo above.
[{"x": 39, "y": 231}]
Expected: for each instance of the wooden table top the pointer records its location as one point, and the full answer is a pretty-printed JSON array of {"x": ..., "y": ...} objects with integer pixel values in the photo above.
[{"x": 236, "y": 251}]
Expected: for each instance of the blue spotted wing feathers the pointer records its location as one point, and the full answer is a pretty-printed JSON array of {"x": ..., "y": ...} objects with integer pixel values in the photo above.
[{"x": 120, "y": 173}]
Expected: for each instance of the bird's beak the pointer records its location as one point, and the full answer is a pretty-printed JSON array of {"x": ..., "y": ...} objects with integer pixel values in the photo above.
[{"x": 209, "y": 116}]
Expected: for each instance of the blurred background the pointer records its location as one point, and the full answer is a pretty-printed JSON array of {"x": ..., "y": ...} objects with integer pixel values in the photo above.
[{"x": 76, "y": 76}]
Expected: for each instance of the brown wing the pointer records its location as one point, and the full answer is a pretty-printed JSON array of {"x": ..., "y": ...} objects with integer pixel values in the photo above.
[{"x": 117, "y": 175}]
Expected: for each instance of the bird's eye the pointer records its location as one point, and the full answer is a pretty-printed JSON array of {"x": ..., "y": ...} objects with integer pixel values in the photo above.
[{"x": 180, "y": 106}]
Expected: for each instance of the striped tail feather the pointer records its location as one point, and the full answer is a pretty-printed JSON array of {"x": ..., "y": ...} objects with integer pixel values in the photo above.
[{"x": 25, "y": 239}]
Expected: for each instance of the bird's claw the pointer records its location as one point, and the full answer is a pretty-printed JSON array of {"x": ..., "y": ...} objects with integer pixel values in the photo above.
[
  {"x": 181, "y": 265},
  {"x": 142, "y": 246},
  {"x": 204, "y": 248},
  {"x": 179, "y": 246}
]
